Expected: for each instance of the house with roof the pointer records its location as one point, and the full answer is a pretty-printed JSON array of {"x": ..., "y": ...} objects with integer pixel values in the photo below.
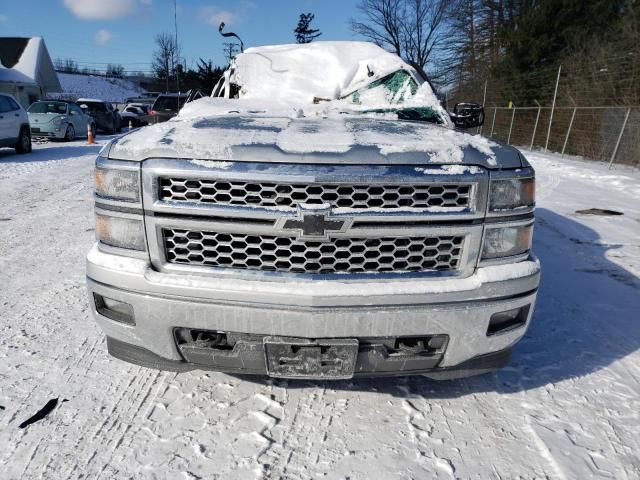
[{"x": 26, "y": 69}]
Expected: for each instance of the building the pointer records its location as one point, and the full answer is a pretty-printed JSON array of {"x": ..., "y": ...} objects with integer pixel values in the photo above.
[{"x": 26, "y": 70}]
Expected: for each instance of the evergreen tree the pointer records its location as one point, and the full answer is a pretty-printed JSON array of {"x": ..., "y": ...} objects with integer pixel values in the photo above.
[{"x": 304, "y": 32}]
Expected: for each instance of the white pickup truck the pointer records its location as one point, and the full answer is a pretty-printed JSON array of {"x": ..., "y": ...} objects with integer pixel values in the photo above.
[{"x": 318, "y": 217}]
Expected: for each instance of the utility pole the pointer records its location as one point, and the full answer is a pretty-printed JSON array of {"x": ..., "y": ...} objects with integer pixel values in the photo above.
[
  {"x": 230, "y": 50},
  {"x": 175, "y": 24}
]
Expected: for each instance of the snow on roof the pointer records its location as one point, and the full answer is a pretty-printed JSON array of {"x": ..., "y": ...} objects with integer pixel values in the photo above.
[
  {"x": 98, "y": 87},
  {"x": 32, "y": 64},
  {"x": 297, "y": 73},
  {"x": 9, "y": 75}
]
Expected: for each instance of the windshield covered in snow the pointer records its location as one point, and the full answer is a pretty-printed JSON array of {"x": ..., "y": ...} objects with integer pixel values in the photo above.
[{"x": 57, "y": 108}]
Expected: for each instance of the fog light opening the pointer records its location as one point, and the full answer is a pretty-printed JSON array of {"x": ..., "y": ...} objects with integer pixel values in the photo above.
[
  {"x": 508, "y": 320},
  {"x": 114, "y": 309},
  {"x": 202, "y": 338},
  {"x": 421, "y": 345}
]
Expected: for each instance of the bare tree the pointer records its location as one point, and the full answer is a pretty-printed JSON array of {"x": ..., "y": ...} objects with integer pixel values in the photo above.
[
  {"x": 165, "y": 57},
  {"x": 67, "y": 65},
  {"x": 413, "y": 29}
]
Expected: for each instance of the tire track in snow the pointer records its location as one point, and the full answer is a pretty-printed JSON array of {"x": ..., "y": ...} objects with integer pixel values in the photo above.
[{"x": 304, "y": 439}]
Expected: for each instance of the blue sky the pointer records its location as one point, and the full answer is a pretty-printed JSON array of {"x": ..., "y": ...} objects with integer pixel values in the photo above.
[{"x": 96, "y": 32}]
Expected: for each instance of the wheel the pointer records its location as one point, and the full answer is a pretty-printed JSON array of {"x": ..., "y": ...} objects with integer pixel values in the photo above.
[
  {"x": 70, "y": 134},
  {"x": 24, "y": 141}
]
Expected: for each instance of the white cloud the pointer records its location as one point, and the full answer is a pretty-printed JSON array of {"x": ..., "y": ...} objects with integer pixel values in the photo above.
[
  {"x": 103, "y": 9},
  {"x": 103, "y": 37},
  {"x": 214, "y": 16}
]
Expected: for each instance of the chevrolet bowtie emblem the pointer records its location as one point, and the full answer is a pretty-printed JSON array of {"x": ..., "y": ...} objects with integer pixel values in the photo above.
[{"x": 314, "y": 223}]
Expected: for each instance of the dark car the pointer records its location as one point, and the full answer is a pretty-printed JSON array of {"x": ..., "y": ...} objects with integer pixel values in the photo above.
[
  {"x": 167, "y": 106},
  {"x": 106, "y": 117}
]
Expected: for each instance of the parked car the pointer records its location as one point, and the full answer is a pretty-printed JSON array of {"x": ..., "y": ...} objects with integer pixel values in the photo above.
[
  {"x": 142, "y": 106},
  {"x": 314, "y": 226},
  {"x": 14, "y": 125},
  {"x": 166, "y": 106},
  {"x": 134, "y": 115},
  {"x": 106, "y": 117},
  {"x": 59, "y": 119}
]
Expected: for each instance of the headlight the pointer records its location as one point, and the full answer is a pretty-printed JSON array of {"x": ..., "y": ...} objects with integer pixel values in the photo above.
[
  {"x": 118, "y": 184},
  {"x": 506, "y": 241},
  {"x": 120, "y": 232},
  {"x": 58, "y": 121},
  {"x": 512, "y": 193}
]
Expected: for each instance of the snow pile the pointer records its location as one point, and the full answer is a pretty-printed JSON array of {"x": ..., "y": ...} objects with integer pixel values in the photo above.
[
  {"x": 298, "y": 74},
  {"x": 108, "y": 89}
]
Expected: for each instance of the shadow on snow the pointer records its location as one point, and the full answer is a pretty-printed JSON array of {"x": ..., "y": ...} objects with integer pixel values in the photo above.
[{"x": 585, "y": 319}]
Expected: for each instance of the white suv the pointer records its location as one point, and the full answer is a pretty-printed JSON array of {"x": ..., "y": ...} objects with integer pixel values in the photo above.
[{"x": 14, "y": 125}]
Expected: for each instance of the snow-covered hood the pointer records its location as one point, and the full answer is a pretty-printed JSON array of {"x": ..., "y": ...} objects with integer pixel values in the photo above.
[
  {"x": 325, "y": 102},
  {"x": 347, "y": 139}
]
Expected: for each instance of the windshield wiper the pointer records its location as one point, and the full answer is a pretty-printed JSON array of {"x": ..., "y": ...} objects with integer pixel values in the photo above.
[{"x": 415, "y": 114}]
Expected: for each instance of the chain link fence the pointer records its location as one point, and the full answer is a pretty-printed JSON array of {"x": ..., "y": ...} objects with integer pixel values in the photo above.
[
  {"x": 591, "y": 110},
  {"x": 610, "y": 134}
]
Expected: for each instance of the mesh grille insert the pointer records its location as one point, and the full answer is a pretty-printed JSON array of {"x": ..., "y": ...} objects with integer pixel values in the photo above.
[
  {"x": 260, "y": 194},
  {"x": 288, "y": 254}
]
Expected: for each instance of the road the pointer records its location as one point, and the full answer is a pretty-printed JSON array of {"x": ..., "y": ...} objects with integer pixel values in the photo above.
[{"x": 567, "y": 407}]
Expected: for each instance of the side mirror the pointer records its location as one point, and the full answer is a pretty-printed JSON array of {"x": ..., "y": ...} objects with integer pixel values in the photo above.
[{"x": 467, "y": 115}]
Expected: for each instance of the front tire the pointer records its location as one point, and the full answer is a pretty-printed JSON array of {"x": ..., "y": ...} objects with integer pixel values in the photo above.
[
  {"x": 70, "y": 134},
  {"x": 24, "y": 141}
]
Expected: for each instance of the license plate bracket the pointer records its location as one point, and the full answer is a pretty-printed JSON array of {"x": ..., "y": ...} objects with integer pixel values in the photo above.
[{"x": 319, "y": 359}]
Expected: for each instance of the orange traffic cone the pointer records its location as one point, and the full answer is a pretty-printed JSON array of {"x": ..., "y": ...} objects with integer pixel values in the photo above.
[{"x": 90, "y": 139}]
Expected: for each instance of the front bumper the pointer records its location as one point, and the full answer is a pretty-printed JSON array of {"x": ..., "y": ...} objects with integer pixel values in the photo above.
[
  {"x": 51, "y": 132},
  {"x": 459, "y": 308}
]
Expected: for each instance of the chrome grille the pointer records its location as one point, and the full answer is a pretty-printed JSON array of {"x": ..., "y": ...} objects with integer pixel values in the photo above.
[
  {"x": 288, "y": 254},
  {"x": 264, "y": 194}
]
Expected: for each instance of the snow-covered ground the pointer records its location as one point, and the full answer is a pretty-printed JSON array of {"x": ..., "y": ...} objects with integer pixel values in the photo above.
[
  {"x": 95, "y": 86},
  {"x": 567, "y": 407}
]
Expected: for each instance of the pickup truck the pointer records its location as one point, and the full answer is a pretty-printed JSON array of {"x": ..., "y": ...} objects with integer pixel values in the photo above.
[{"x": 318, "y": 217}]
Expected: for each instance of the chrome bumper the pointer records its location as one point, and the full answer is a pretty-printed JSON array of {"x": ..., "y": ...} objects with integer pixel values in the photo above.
[{"x": 458, "y": 307}]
